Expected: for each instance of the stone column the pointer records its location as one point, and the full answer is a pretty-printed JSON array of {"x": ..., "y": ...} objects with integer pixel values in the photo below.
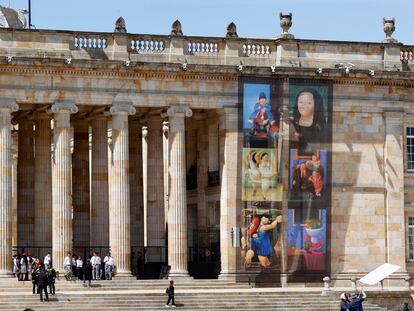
[
  {"x": 119, "y": 206},
  {"x": 99, "y": 184},
  {"x": 156, "y": 235},
  {"x": 25, "y": 183},
  {"x": 145, "y": 180},
  {"x": 43, "y": 180},
  {"x": 14, "y": 187},
  {"x": 229, "y": 167},
  {"x": 7, "y": 106},
  {"x": 80, "y": 184},
  {"x": 177, "y": 213},
  {"x": 61, "y": 180},
  {"x": 166, "y": 163},
  {"x": 394, "y": 185}
]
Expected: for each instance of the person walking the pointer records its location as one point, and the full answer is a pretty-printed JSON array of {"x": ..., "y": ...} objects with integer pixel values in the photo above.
[
  {"x": 51, "y": 276},
  {"x": 67, "y": 265},
  {"x": 109, "y": 266},
  {"x": 87, "y": 272},
  {"x": 47, "y": 261},
  {"x": 42, "y": 283},
  {"x": 79, "y": 267},
  {"x": 170, "y": 292},
  {"x": 35, "y": 273}
]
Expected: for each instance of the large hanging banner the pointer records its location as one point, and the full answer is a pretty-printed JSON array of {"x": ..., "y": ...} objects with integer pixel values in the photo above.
[
  {"x": 262, "y": 189},
  {"x": 306, "y": 166},
  {"x": 310, "y": 132}
]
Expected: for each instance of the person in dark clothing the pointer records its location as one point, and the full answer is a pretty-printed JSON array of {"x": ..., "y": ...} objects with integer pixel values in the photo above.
[
  {"x": 170, "y": 292},
  {"x": 354, "y": 304},
  {"x": 42, "y": 283},
  {"x": 51, "y": 276},
  {"x": 87, "y": 272},
  {"x": 34, "y": 279}
]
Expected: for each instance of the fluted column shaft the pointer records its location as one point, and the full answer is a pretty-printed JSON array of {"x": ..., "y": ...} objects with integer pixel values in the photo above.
[
  {"x": 25, "y": 183},
  {"x": 99, "y": 185},
  {"x": 177, "y": 213},
  {"x": 119, "y": 208},
  {"x": 229, "y": 144},
  {"x": 202, "y": 178},
  {"x": 61, "y": 181},
  {"x": 6, "y": 108},
  {"x": 43, "y": 181},
  {"x": 80, "y": 184},
  {"x": 145, "y": 181}
]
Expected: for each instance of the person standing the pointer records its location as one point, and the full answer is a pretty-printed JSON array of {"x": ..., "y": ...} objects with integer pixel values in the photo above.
[
  {"x": 109, "y": 266},
  {"x": 96, "y": 266},
  {"x": 16, "y": 266},
  {"x": 170, "y": 292},
  {"x": 79, "y": 267},
  {"x": 67, "y": 264},
  {"x": 30, "y": 262},
  {"x": 356, "y": 302},
  {"x": 42, "y": 284},
  {"x": 47, "y": 261},
  {"x": 23, "y": 268},
  {"x": 87, "y": 272},
  {"x": 35, "y": 273}
]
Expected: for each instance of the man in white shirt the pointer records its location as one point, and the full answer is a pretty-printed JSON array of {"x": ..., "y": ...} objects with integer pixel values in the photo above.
[
  {"x": 46, "y": 261},
  {"x": 67, "y": 264},
  {"x": 96, "y": 266},
  {"x": 109, "y": 266}
]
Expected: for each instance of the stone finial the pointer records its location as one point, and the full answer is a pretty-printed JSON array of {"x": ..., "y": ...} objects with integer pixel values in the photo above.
[
  {"x": 232, "y": 31},
  {"x": 120, "y": 25},
  {"x": 389, "y": 28},
  {"x": 176, "y": 29},
  {"x": 286, "y": 23}
]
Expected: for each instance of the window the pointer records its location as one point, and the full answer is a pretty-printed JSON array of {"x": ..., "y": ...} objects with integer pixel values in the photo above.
[
  {"x": 410, "y": 149},
  {"x": 411, "y": 238}
]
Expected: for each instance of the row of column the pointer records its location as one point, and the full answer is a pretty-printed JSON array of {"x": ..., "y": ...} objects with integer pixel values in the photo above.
[{"x": 118, "y": 194}]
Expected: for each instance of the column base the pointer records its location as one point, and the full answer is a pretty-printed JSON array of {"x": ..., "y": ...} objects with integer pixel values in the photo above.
[
  {"x": 179, "y": 275},
  {"x": 228, "y": 276},
  {"x": 6, "y": 274},
  {"x": 123, "y": 274}
]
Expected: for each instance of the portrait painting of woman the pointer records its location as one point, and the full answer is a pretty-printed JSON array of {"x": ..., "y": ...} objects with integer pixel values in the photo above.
[{"x": 309, "y": 118}]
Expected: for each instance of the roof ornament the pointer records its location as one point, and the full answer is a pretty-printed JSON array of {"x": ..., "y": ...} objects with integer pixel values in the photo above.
[{"x": 10, "y": 18}]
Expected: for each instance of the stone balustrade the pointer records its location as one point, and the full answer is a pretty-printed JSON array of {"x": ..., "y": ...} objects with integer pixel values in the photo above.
[
  {"x": 142, "y": 44},
  {"x": 200, "y": 47},
  {"x": 90, "y": 42},
  {"x": 24, "y": 46}
]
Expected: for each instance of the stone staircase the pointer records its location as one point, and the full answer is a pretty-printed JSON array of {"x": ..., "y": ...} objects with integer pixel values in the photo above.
[{"x": 130, "y": 294}]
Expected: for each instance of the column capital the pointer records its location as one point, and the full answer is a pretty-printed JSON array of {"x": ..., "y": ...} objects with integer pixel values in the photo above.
[
  {"x": 122, "y": 108},
  {"x": 8, "y": 104},
  {"x": 63, "y": 107},
  {"x": 176, "y": 111}
]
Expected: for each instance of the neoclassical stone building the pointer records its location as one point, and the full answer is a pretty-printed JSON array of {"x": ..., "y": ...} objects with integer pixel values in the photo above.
[{"x": 195, "y": 151}]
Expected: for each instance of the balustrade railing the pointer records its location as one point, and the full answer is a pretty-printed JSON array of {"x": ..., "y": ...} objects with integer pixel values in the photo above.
[
  {"x": 201, "y": 47},
  {"x": 147, "y": 45},
  {"x": 89, "y": 42},
  {"x": 255, "y": 49}
]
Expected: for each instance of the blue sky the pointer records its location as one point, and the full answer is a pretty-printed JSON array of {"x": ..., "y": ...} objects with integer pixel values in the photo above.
[{"x": 346, "y": 20}]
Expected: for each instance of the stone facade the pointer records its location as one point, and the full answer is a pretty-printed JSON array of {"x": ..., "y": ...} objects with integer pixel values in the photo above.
[{"x": 134, "y": 194}]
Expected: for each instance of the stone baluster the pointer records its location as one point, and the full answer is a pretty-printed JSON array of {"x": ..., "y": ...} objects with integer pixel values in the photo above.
[
  {"x": 7, "y": 106},
  {"x": 43, "y": 180},
  {"x": 61, "y": 180},
  {"x": 177, "y": 213},
  {"x": 99, "y": 184},
  {"x": 119, "y": 207}
]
